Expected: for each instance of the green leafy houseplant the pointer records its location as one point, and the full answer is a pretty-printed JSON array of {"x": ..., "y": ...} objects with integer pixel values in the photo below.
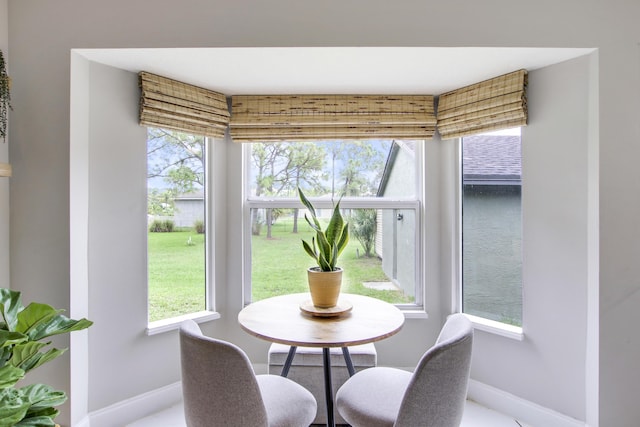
[
  {"x": 327, "y": 245},
  {"x": 22, "y": 348}
]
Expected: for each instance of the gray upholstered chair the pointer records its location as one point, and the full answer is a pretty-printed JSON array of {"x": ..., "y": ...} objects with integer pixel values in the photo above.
[
  {"x": 432, "y": 396},
  {"x": 220, "y": 388}
]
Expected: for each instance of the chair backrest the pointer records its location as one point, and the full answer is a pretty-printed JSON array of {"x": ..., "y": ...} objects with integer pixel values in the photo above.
[
  {"x": 438, "y": 388},
  {"x": 219, "y": 386}
]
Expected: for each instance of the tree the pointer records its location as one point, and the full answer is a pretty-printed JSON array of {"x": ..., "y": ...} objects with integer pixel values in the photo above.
[
  {"x": 175, "y": 165},
  {"x": 356, "y": 163},
  {"x": 280, "y": 168},
  {"x": 363, "y": 227},
  {"x": 177, "y": 158}
]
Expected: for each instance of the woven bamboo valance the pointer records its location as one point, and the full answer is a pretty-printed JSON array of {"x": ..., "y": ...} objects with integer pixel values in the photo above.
[
  {"x": 171, "y": 104},
  {"x": 494, "y": 104},
  {"x": 264, "y": 118}
]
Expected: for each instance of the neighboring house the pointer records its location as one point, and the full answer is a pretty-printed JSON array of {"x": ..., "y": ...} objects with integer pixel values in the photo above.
[
  {"x": 395, "y": 235},
  {"x": 188, "y": 208},
  {"x": 492, "y": 227},
  {"x": 491, "y": 194}
]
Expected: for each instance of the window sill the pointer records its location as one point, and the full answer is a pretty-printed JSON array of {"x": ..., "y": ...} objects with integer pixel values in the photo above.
[
  {"x": 414, "y": 313},
  {"x": 497, "y": 328},
  {"x": 165, "y": 325}
]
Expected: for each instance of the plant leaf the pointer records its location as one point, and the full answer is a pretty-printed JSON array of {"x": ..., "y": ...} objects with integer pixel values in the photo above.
[
  {"x": 9, "y": 376},
  {"x": 344, "y": 239},
  {"x": 10, "y": 306},
  {"x": 307, "y": 204},
  {"x": 33, "y": 315},
  {"x": 39, "y": 421},
  {"x": 42, "y": 397},
  {"x": 13, "y": 407},
  {"x": 314, "y": 225},
  {"x": 309, "y": 250},
  {"x": 336, "y": 225},
  {"x": 324, "y": 250},
  {"x": 28, "y": 356},
  {"x": 323, "y": 263},
  {"x": 8, "y": 338},
  {"x": 41, "y": 321}
]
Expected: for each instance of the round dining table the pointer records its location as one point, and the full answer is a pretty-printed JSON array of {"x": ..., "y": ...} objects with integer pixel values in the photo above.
[{"x": 292, "y": 320}]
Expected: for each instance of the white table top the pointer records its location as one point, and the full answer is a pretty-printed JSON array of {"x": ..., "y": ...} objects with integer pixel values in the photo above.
[{"x": 279, "y": 319}]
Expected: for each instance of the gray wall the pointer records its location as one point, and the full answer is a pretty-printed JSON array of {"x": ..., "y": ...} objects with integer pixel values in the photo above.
[
  {"x": 586, "y": 283},
  {"x": 492, "y": 252}
]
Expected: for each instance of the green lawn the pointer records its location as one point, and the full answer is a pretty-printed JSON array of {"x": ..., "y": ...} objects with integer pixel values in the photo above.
[
  {"x": 176, "y": 274},
  {"x": 176, "y": 270},
  {"x": 280, "y": 265}
]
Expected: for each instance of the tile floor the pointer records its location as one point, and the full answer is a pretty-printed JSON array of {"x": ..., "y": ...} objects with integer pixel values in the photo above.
[{"x": 474, "y": 416}]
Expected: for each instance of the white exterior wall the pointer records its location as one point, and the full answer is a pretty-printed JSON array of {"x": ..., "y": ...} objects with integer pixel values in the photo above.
[{"x": 593, "y": 211}]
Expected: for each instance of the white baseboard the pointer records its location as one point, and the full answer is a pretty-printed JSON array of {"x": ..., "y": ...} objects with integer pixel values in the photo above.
[
  {"x": 130, "y": 410},
  {"x": 83, "y": 423},
  {"x": 529, "y": 413}
]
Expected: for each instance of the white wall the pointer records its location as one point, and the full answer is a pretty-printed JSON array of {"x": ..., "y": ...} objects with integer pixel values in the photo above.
[
  {"x": 39, "y": 149},
  {"x": 549, "y": 365},
  {"x": 547, "y": 368}
]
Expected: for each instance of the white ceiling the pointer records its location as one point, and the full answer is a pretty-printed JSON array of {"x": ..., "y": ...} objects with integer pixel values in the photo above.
[{"x": 320, "y": 70}]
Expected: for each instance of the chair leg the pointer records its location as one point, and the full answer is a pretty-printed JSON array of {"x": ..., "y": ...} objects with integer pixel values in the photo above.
[
  {"x": 348, "y": 361},
  {"x": 288, "y": 361}
]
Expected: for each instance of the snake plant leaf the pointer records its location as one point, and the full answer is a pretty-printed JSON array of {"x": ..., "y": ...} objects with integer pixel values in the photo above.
[
  {"x": 307, "y": 204},
  {"x": 331, "y": 242},
  {"x": 336, "y": 225},
  {"x": 315, "y": 225},
  {"x": 344, "y": 239},
  {"x": 10, "y": 305},
  {"x": 309, "y": 250},
  {"x": 323, "y": 262},
  {"x": 9, "y": 376},
  {"x": 324, "y": 251}
]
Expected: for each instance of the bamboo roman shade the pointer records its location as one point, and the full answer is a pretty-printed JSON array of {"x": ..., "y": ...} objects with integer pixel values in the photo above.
[
  {"x": 264, "y": 118},
  {"x": 494, "y": 104},
  {"x": 171, "y": 104}
]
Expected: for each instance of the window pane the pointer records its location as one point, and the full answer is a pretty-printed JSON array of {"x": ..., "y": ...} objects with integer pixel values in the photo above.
[
  {"x": 330, "y": 168},
  {"x": 379, "y": 260},
  {"x": 492, "y": 227},
  {"x": 176, "y": 220}
]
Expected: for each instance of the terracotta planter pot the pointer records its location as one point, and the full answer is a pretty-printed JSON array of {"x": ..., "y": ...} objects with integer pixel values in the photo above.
[{"x": 324, "y": 286}]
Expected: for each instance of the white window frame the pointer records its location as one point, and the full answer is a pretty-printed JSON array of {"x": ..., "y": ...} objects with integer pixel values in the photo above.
[
  {"x": 416, "y": 204},
  {"x": 209, "y": 313}
]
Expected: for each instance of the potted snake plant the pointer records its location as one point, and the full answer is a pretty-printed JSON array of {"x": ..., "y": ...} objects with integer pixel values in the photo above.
[
  {"x": 24, "y": 345},
  {"x": 325, "y": 279}
]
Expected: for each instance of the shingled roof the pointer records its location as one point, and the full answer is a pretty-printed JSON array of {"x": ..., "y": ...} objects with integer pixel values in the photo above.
[{"x": 491, "y": 158}]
